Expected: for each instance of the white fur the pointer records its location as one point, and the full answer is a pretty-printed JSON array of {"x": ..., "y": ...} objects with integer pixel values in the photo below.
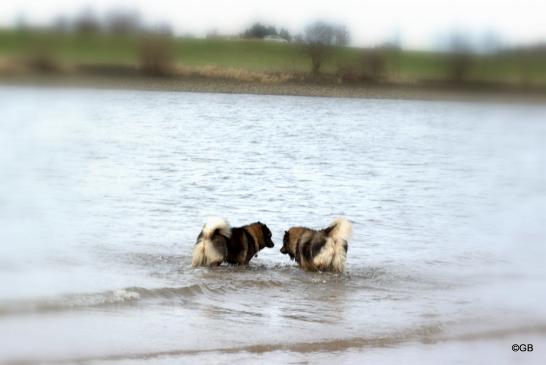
[
  {"x": 343, "y": 229},
  {"x": 198, "y": 254},
  {"x": 332, "y": 256},
  {"x": 339, "y": 259},
  {"x": 324, "y": 259},
  {"x": 214, "y": 223},
  {"x": 204, "y": 252}
]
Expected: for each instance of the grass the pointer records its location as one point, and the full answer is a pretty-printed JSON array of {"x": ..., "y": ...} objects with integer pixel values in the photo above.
[{"x": 255, "y": 55}]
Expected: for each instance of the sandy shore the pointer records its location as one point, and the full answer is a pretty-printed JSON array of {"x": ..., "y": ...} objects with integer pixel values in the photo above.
[{"x": 305, "y": 88}]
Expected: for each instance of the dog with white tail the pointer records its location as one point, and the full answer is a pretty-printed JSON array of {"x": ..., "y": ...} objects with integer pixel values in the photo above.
[
  {"x": 218, "y": 242},
  {"x": 319, "y": 250}
]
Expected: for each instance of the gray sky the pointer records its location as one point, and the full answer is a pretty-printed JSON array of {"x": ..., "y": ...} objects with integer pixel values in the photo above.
[{"x": 419, "y": 23}]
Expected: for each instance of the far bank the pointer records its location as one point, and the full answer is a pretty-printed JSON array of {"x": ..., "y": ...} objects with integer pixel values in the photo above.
[{"x": 436, "y": 91}]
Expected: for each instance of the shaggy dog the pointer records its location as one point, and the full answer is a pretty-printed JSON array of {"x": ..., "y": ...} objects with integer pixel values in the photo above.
[
  {"x": 218, "y": 242},
  {"x": 324, "y": 250}
]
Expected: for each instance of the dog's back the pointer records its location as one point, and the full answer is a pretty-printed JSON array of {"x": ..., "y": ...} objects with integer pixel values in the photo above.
[
  {"x": 247, "y": 241},
  {"x": 241, "y": 246}
]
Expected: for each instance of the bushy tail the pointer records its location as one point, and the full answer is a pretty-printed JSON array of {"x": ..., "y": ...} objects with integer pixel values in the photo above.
[
  {"x": 214, "y": 224},
  {"x": 203, "y": 251},
  {"x": 340, "y": 229}
]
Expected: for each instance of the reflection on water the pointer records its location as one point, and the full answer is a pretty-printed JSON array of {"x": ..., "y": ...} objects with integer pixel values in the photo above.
[{"x": 104, "y": 192}]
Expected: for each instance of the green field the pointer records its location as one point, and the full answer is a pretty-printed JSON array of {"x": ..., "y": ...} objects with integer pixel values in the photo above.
[{"x": 258, "y": 55}]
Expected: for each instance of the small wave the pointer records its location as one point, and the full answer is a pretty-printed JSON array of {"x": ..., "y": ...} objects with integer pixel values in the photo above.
[
  {"x": 124, "y": 296},
  {"x": 71, "y": 301}
]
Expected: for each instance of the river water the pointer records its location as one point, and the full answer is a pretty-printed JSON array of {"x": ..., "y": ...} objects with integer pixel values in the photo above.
[{"x": 103, "y": 193}]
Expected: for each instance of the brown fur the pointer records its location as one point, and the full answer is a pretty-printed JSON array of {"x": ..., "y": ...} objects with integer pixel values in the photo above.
[
  {"x": 255, "y": 230},
  {"x": 318, "y": 250},
  {"x": 245, "y": 242}
]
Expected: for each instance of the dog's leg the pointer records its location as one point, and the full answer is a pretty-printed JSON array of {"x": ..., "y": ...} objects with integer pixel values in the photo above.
[
  {"x": 198, "y": 255},
  {"x": 340, "y": 256}
]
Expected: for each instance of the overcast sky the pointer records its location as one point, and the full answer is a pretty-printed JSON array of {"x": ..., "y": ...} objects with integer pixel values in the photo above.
[{"x": 418, "y": 23}]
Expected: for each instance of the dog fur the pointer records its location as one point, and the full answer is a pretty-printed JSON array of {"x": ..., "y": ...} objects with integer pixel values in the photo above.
[
  {"x": 319, "y": 250},
  {"x": 218, "y": 242}
]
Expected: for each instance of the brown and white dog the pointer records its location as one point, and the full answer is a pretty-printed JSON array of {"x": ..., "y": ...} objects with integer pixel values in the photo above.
[
  {"x": 323, "y": 250},
  {"x": 218, "y": 242}
]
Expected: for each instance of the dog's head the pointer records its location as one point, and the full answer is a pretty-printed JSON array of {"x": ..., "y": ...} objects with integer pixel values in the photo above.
[
  {"x": 290, "y": 241},
  {"x": 266, "y": 233},
  {"x": 261, "y": 234}
]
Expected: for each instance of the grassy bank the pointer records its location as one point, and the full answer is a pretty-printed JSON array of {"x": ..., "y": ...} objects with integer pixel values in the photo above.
[{"x": 255, "y": 56}]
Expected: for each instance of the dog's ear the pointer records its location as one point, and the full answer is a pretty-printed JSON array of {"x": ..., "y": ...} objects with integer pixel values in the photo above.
[
  {"x": 265, "y": 230},
  {"x": 266, "y": 234},
  {"x": 285, "y": 238}
]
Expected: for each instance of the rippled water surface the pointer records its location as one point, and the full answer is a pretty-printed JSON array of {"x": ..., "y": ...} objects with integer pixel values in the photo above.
[{"x": 103, "y": 193}]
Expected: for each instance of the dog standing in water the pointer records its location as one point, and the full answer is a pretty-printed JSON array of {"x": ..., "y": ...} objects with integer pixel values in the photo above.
[
  {"x": 218, "y": 242},
  {"x": 322, "y": 250}
]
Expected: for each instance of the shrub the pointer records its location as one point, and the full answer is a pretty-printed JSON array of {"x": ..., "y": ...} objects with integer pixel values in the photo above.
[
  {"x": 156, "y": 55},
  {"x": 372, "y": 65}
]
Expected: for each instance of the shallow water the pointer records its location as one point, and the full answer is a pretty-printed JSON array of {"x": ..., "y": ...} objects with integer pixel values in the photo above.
[{"x": 104, "y": 192}]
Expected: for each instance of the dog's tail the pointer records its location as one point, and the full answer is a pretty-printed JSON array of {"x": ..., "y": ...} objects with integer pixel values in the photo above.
[
  {"x": 216, "y": 225},
  {"x": 203, "y": 251},
  {"x": 340, "y": 230}
]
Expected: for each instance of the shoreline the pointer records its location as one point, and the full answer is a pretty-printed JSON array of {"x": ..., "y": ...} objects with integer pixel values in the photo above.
[{"x": 437, "y": 92}]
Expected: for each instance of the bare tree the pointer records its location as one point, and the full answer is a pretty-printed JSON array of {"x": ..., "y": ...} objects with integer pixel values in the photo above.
[
  {"x": 123, "y": 21},
  {"x": 259, "y": 31},
  {"x": 283, "y": 33},
  {"x": 87, "y": 22},
  {"x": 61, "y": 24},
  {"x": 373, "y": 64},
  {"x": 460, "y": 57},
  {"x": 342, "y": 36},
  {"x": 320, "y": 38}
]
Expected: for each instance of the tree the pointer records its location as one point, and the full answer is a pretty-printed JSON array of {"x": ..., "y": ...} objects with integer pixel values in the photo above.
[
  {"x": 373, "y": 64},
  {"x": 320, "y": 38},
  {"x": 87, "y": 22},
  {"x": 259, "y": 30},
  {"x": 123, "y": 21},
  {"x": 283, "y": 33},
  {"x": 460, "y": 57},
  {"x": 342, "y": 36},
  {"x": 61, "y": 24}
]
